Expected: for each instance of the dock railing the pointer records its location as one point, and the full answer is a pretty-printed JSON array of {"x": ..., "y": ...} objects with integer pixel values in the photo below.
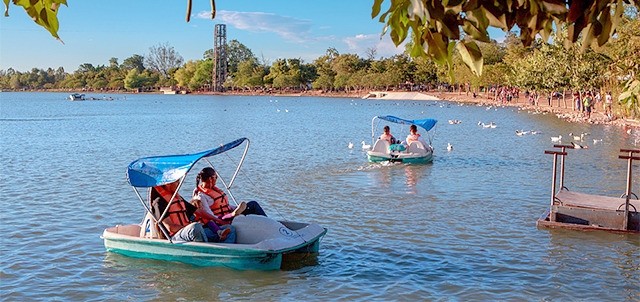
[
  {"x": 630, "y": 157},
  {"x": 562, "y": 154}
]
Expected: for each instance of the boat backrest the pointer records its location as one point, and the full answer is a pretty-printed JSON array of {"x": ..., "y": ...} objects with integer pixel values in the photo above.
[
  {"x": 149, "y": 228},
  {"x": 252, "y": 229},
  {"x": 381, "y": 145},
  {"x": 416, "y": 147}
]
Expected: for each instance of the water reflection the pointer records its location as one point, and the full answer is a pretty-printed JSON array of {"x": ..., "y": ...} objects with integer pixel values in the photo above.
[
  {"x": 385, "y": 174},
  {"x": 413, "y": 174}
]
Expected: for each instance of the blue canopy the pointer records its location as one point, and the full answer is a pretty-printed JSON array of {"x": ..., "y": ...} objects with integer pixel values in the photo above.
[
  {"x": 159, "y": 170},
  {"x": 426, "y": 124}
]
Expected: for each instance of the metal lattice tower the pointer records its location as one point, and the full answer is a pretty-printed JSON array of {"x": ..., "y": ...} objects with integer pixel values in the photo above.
[{"x": 219, "y": 57}]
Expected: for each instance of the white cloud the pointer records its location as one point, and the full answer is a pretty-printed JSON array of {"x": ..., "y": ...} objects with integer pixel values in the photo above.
[
  {"x": 383, "y": 45},
  {"x": 291, "y": 29}
]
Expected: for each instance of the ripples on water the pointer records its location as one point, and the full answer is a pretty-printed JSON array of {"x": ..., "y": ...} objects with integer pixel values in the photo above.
[{"x": 461, "y": 228}]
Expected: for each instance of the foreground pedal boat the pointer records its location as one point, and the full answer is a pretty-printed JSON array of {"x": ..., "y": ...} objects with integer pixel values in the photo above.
[{"x": 262, "y": 242}]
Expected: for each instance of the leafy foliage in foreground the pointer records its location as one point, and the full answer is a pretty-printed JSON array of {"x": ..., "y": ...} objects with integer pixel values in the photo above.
[{"x": 43, "y": 12}]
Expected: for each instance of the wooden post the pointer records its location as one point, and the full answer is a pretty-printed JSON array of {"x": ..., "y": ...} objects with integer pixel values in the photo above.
[
  {"x": 552, "y": 214},
  {"x": 629, "y": 158},
  {"x": 563, "y": 148}
]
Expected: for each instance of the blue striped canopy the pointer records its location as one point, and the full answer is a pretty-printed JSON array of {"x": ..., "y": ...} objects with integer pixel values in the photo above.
[
  {"x": 159, "y": 170},
  {"x": 426, "y": 124}
]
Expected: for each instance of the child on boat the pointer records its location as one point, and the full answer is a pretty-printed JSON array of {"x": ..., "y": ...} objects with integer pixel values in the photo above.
[
  {"x": 414, "y": 136},
  {"x": 386, "y": 135},
  {"x": 213, "y": 205}
]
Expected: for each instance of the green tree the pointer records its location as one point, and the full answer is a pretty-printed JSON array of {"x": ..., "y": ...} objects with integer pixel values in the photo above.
[
  {"x": 426, "y": 71},
  {"x": 237, "y": 53},
  {"x": 326, "y": 75},
  {"x": 203, "y": 74},
  {"x": 136, "y": 80},
  {"x": 133, "y": 62},
  {"x": 250, "y": 74},
  {"x": 184, "y": 74},
  {"x": 344, "y": 66}
]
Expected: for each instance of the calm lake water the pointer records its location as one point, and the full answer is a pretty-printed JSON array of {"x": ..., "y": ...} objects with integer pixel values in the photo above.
[{"x": 461, "y": 228}]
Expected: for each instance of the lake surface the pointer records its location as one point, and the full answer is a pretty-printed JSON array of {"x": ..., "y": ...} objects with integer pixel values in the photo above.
[{"x": 461, "y": 228}]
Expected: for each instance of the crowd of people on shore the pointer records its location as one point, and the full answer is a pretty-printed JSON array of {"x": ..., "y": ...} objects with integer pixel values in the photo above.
[
  {"x": 578, "y": 106},
  {"x": 588, "y": 101}
]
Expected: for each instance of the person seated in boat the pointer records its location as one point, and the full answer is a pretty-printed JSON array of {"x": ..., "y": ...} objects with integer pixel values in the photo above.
[
  {"x": 177, "y": 220},
  {"x": 216, "y": 200},
  {"x": 414, "y": 136},
  {"x": 215, "y": 228},
  {"x": 386, "y": 135}
]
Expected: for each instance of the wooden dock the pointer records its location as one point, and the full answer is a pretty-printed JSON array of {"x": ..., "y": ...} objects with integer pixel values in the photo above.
[{"x": 573, "y": 210}]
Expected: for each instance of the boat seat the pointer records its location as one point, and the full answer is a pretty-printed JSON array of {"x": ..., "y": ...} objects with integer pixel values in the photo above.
[
  {"x": 252, "y": 229},
  {"x": 148, "y": 227},
  {"x": 416, "y": 147},
  {"x": 381, "y": 146}
]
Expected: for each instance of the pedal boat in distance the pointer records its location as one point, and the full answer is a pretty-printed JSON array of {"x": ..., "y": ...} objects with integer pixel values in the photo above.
[{"x": 414, "y": 153}]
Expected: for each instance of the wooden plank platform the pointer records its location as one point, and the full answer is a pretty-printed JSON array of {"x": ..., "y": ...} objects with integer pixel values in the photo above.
[
  {"x": 581, "y": 227},
  {"x": 582, "y": 200}
]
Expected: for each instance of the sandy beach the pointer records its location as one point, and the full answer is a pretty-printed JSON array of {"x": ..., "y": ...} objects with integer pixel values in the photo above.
[{"x": 557, "y": 107}]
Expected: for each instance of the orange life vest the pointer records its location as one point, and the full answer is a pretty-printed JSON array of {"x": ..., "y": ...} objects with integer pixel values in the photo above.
[
  {"x": 177, "y": 212},
  {"x": 220, "y": 206}
]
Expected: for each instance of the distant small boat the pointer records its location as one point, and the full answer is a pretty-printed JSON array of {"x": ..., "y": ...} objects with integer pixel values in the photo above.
[{"x": 76, "y": 96}]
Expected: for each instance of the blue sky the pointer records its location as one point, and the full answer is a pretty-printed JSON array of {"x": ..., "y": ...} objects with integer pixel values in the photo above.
[{"x": 95, "y": 31}]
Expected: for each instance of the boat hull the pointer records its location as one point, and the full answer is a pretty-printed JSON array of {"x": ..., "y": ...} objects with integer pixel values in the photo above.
[
  {"x": 375, "y": 158},
  {"x": 124, "y": 240}
]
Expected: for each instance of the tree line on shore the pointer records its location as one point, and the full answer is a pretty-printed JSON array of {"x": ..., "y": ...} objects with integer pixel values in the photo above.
[{"x": 545, "y": 67}]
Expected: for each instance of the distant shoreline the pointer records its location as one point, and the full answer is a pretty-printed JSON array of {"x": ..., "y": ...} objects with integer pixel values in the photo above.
[{"x": 568, "y": 114}]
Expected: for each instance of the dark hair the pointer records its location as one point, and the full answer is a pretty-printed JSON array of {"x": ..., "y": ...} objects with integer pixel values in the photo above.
[
  {"x": 413, "y": 127},
  {"x": 386, "y": 128},
  {"x": 205, "y": 174}
]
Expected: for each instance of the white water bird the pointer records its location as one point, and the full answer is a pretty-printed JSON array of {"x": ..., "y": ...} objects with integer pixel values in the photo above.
[
  {"x": 577, "y": 146},
  {"x": 449, "y": 147},
  {"x": 595, "y": 141},
  {"x": 578, "y": 138},
  {"x": 556, "y": 138},
  {"x": 520, "y": 132},
  {"x": 286, "y": 110},
  {"x": 365, "y": 146},
  {"x": 350, "y": 145}
]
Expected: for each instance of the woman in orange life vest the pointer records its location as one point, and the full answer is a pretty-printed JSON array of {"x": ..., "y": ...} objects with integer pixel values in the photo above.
[
  {"x": 414, "y": 136},
  {"x": 215, "y": 200},
  {"x": 181, "y": 214},
  {"x": 387, "y": 135},
  {"x": 177, "y": 220}
]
